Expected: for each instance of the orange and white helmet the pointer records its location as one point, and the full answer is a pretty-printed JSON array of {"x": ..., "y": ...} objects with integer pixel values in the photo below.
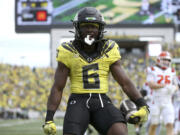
[{"x": 164, "y": 59}]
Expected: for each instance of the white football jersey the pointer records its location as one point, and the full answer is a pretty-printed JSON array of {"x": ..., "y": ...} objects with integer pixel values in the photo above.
[
  {"x": 176, "y": 96},
  {"x": 168, "y": 77}
]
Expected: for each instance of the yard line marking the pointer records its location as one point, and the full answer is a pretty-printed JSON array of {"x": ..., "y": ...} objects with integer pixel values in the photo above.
[{"x": 25, "y": 122}]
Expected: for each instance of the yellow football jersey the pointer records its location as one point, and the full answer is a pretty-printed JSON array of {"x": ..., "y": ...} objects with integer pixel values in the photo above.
[{"x": 88, "y": 75}]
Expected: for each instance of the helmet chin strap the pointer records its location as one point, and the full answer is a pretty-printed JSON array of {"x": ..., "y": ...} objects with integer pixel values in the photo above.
[{"x": 89, "y": 41}]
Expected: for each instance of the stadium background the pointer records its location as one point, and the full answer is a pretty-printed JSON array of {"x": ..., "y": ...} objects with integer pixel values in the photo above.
[{"x": 24, "y": 90}]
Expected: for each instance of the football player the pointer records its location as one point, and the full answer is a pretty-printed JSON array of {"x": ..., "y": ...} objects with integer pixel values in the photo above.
[
  {"x": 87, "y": 60},
  {"x": 161, "y": 78}
]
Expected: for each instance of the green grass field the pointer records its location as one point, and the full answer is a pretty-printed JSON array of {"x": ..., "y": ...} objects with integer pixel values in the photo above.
[{"x": 34, "y": 127}]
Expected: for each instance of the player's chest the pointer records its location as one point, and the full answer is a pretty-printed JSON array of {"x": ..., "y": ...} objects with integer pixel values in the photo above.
[
  {"x": 164, "y": 77},
  {"x": 79, "y": 63}
]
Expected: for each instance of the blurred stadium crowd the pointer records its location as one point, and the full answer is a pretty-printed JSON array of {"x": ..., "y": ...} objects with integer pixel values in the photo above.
[{"x": 24, "y": 89}]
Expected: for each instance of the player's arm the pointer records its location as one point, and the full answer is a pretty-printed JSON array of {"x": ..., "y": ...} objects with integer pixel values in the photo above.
[
  {"x": 55, "y": 96},
  {"x": 155, "y": 86},
  {"x": 175, "y": 82},
  {"x": 131, "y": 91},
  {"x": 124, "y": 81},
  {"x": 173, "y": 86},
  {"x": 150, "y": 80}
]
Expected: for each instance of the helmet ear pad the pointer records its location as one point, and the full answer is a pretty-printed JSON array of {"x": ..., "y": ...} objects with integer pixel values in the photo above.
[{"x": 77, "y": 30}]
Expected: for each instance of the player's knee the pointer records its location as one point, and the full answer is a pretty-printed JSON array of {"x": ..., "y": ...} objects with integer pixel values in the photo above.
[
  {"x": 154, "y": 126},
  {"x": 169, "y": 125}
]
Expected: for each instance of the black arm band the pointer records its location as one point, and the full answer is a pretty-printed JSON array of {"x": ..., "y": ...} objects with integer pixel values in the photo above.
[
  {"x": 140, "y": 102},
  {"x": 49, "y": 115}
]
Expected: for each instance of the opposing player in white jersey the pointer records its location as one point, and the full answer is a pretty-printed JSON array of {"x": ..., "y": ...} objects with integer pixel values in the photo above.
[
  {"x": 176, "y": 102},
  {"x": 161, "y": 78}
]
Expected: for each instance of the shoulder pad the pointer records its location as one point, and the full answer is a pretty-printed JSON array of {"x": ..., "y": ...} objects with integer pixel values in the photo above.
[
  {"x": 68, "y": 46},
  {"x": 108, "y": 45}
]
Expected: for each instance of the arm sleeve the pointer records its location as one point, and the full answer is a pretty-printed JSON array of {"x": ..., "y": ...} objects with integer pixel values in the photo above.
[
  {"x": 175, "y": 80},
  {"x": 63, "y": 56},
  {"x": 115, "y": 53},
  {"x": 150, "y": 75}
]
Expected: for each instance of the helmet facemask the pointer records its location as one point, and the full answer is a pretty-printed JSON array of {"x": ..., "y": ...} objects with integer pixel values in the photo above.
[
  {"x": 164, "y": 60},
  {"x": 165, "y": 63},
  {"x": 89, "y": 32}
]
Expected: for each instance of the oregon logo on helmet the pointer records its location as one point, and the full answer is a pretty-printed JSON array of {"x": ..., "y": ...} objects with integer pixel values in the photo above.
[{"x": 90, "y": 18}]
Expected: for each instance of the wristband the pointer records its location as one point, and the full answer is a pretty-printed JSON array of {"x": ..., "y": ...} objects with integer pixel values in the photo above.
[
  {"x": 49, "y": 115},
  {"x": 140, "y": 102}
]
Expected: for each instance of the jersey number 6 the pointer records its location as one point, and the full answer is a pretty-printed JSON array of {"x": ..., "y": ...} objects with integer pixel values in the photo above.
[{"x": 87, "y": 76}]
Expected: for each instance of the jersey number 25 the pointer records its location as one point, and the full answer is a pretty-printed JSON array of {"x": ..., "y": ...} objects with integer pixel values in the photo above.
[{"x": 164, "y": 78}]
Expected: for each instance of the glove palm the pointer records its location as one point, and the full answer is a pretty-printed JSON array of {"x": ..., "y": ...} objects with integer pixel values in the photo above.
[
  {"x": 49, "y": 128},
  {"x": 142, "y": 113}
]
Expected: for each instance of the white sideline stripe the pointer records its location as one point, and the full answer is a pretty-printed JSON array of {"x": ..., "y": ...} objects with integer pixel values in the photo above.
[
  {"x": 23, "y": 122},
  {"x": 59, "y": 127},
  {"x": 16, "y": 123}
]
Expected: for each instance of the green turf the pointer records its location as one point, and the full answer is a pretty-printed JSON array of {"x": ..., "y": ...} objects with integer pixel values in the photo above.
[{"x": 34, "y": 127}]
